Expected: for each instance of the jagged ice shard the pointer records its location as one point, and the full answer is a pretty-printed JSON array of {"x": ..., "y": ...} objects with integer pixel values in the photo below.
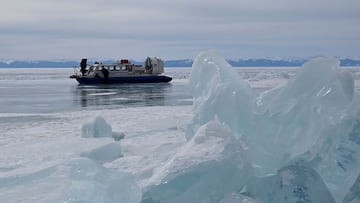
[
  {"x": 299, "y": 142},
  {"x": 210, "y": 165},
  {"x": 218, "y": 91}
]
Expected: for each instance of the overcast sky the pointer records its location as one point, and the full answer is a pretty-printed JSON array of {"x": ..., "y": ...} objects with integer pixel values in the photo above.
[{"x": 178, "y": 29}]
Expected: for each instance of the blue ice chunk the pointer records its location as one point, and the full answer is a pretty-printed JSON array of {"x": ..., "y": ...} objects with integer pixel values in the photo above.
[
  {"x": 219, "y": 92},
  {"x": 96, "y": 128},
  {"x": 209, "y": 166}
]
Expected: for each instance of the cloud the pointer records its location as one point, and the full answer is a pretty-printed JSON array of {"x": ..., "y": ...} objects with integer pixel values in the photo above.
[{"x": 46, "y": 29}]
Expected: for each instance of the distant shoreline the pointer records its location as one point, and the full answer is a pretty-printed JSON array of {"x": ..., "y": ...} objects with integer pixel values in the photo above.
[{"x": 174, "y": 63}]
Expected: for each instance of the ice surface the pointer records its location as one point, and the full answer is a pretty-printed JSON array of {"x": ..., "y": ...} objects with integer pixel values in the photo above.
[
  {"x": 298, "y": 142},
  {"x": 299, "y": 184},
  {"x": 217, "y": 90},
  {"x": 31, "y": 143},
  {"x": 78, "y": 180},
  {"x": 293, "y": 117},
  {"x": 100, "y": 128},
  {"x": 354, "y": 194},
  {"x": 291, "y": 184},
  {"x": 104, "y": 153},
  {"x": 209, "y": 166},
  {"x": 96, "y": 128},
  {"x": 118, "y": 135},
  {"x": 311, "y": 124},
  {"x": 238, "y": 198}
]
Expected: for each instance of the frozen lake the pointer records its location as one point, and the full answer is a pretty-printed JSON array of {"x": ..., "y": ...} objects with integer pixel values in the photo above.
[
  {"x": 50, "y": 90},
  {"x": 41, "y": 90},
  {"x": 42, "y": 112}
]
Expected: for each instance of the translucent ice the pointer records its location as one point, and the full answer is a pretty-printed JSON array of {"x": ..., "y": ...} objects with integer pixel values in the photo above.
[
  {"x": 354, "y": 194},
  {"x": 238, "y": 198},
  {"x": 299, "y": 184},
  {"x": 207, "y": 168},
  {"x": 96, "y": 128},
  {"x": 336, "y": 154},
  {"x": 313, "y": 121},
  {"x": 104, "y": 153},
  {"x": 78, "y": 180},
  {"x": 100, "y": 128},
  {"x": 291, "y": 184},
  {"x": 217, "y": 91},
  {"x": 293, "y": 117}
]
